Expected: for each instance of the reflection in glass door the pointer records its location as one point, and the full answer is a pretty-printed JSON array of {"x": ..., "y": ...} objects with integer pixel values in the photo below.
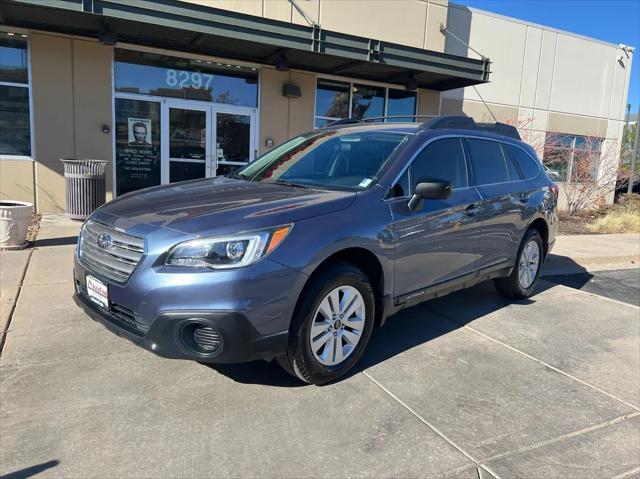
[
  {"x": 234, "y": 138},
  {"x": 189, "y": 142},
  {"x": 202, "y": 140}
]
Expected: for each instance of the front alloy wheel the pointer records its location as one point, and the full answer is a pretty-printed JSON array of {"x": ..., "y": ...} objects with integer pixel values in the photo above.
[
  {"x": 331, "y": 326},
  {"x": 337, "y": 326}
]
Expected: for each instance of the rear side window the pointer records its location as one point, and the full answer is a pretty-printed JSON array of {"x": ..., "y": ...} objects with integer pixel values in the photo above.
[
  {"x": 487, "y": 162},
  {"x": 514, "y": 172},
  {"x": 441, "y": 160},
  {"x": 525, "y": 163}
]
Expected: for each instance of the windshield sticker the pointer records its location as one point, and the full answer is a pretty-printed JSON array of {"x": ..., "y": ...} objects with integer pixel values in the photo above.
[{"x": 364, "y": 183}]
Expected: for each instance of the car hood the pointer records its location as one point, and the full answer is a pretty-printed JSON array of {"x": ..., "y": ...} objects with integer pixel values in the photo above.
[{"x": 219, "y": 205}]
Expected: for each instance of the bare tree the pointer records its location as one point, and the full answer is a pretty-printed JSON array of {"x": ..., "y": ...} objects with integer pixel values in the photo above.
[{"x": 590, "y": 169}]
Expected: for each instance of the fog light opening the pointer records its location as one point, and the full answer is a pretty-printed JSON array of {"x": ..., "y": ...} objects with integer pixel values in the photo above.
[{"x": 201, "y": 338}]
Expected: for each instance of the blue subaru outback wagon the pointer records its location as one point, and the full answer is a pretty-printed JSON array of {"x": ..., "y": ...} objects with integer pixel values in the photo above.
[{"x": 298, "y": 255}]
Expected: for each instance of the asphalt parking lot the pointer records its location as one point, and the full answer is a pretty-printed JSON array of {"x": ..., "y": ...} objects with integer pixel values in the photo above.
[{"x": 468, "y": 386}]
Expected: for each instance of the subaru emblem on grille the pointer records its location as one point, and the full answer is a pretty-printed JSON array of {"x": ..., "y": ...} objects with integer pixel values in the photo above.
[{"x": 104, "y": 240}]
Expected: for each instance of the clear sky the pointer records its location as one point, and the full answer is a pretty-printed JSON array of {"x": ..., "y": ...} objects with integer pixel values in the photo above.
[{"x": 615, "y": 21}]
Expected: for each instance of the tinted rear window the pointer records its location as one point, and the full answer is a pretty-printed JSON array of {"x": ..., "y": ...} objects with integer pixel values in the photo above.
[
  {"x": 487, "y": 162},
  {"x": 527, "y": 165}
]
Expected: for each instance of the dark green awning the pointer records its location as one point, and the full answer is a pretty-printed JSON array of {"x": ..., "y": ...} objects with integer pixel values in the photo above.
[{"x": 193, "y": 28}]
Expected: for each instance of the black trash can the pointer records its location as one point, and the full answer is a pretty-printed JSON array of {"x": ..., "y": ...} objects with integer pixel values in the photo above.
[{"x": 85, "y": 186}]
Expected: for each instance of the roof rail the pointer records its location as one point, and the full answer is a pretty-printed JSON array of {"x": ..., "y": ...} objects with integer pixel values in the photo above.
[
  {"x": 354, "y": 121},
  {"x": 465, "y": 122}
]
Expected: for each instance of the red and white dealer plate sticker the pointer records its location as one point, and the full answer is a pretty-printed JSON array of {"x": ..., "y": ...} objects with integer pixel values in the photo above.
[{"x": 98, "y": 291}]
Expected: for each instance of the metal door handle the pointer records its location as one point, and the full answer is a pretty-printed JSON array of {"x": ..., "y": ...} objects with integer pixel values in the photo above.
[{"x": 471, "y": 210}]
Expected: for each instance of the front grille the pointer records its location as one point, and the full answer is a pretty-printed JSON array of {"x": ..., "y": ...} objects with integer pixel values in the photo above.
[
  {"x": 127, "y": 316},
  {"x": 116, "y": 258}
]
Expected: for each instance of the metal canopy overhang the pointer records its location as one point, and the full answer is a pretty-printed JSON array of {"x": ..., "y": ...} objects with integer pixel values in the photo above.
[{"x": 194, "y": 28}]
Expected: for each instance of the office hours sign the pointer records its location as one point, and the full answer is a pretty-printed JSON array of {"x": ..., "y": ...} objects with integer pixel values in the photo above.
[{"x": 138, "y": 162}]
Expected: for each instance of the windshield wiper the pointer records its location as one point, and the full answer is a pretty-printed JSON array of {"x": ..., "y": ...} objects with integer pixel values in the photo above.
[
  {"x": 289, "y": 183},
  {"x": 236, "y": 176}
]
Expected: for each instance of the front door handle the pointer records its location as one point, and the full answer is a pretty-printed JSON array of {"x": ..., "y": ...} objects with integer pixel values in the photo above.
[{"x": 471, "y": 210}]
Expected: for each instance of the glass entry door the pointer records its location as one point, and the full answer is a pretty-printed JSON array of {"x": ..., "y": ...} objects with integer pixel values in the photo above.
[
  {"x": 188, "y": 142},
  {"x": 202, "y": 139},
  {"x": 235, "y": 131}
]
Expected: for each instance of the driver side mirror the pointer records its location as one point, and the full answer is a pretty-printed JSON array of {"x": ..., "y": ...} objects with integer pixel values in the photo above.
[{"x": 429, "y": 190}]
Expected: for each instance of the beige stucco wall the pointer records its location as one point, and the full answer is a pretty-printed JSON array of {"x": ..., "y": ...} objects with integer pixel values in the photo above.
[
  {"x": 282, "y": 117},
  {"x": 71, "y": 90},
  {"x": 428, "y": 102},
  {"x": 16, "y": 180},
  {"x": 409, "y": 22}
]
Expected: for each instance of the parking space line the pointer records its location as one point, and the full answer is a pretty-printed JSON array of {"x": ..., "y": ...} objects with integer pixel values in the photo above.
[
  {"x": 497, "y": 341},
  {"x": 627, "y": 474},
  {"x": 595, "y": 427},
  {"x": 423, "y": 420}
]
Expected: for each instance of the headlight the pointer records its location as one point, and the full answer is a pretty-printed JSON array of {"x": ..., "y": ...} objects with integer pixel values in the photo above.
[{"x": 224, "y": 252}]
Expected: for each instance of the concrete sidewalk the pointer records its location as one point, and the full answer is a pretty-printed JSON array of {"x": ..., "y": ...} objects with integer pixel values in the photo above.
[
  {"x": 464, "y": 387},
  {"x": 579, "y": 253}
]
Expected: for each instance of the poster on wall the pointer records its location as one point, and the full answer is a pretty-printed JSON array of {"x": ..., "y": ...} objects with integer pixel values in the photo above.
[
  {"x": 139, "y": 131},
  {"x": 138, "y": 162}
]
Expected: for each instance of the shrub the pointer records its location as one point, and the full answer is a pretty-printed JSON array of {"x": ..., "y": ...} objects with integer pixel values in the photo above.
[{"x": 623, "y": 217}]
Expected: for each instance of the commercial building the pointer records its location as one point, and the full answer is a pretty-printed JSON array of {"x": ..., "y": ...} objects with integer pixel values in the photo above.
[{"x": 168, "y": 90}]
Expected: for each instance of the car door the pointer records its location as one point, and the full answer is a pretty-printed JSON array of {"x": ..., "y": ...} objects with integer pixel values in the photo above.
[
  {"x": 504, "y": 201},
  {"x": 440, "y": 241}
]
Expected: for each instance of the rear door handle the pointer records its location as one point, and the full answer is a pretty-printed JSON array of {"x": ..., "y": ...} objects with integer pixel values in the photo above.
[{"x": 524, "y": 198}]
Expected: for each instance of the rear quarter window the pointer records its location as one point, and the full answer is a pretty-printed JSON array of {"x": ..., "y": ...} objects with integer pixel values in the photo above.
[{"x": 527, "y": 165}]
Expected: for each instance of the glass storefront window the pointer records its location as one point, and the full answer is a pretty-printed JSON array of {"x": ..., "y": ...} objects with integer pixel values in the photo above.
[
  {"x": 571, "y": 157},
  {"x": 401, "y": 102},
  {"x": 15, "y": 119},
  {"x": 367, "y": 101},
  {"x": 337, "y": 100},
  {"x": 332, "y": 100},
  {"x": 137, "y": 130},
  {"x": 162, "y": 75},
  {"x": 15, "y": 137},
  {"x": 13, "y": 58}
]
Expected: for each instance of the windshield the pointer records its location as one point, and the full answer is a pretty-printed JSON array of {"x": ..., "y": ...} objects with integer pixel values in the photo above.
[{"x": 331, "y": 159}]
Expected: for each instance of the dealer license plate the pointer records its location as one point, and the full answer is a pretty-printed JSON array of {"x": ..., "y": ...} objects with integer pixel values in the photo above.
[{"x": 98, "y": 292}]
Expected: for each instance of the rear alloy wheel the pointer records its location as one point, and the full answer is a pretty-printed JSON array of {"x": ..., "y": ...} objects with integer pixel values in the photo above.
[
  {"x": 524, "y": 277},
  {"x": 528, "y": 264},
  {"x": 331, "y": 326}
]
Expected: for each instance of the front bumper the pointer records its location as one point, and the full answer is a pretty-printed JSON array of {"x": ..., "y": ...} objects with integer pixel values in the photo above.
[
  {"x": 240, "y": 340},
  {"x": 250, "y": 309}
]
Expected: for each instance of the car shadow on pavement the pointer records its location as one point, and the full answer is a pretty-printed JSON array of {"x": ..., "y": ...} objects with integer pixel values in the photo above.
[
  {"x": 403, "y": 331},
  {"x": 31, "y": 471}
]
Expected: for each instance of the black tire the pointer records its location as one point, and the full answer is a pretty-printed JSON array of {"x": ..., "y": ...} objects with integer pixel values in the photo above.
[
  {"x": 299, "y": 359},
  {"x": 510, "y": 286}
]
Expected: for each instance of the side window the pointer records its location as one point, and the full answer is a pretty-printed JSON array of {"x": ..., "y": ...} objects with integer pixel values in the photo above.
[
  {"x": 401, "y": 188},
  {"x": 527, "y": 165},
  {"x": 512, "y": 168},
  {"x": 441, "y": 160},
  {"x": 487, "y": 162}
]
